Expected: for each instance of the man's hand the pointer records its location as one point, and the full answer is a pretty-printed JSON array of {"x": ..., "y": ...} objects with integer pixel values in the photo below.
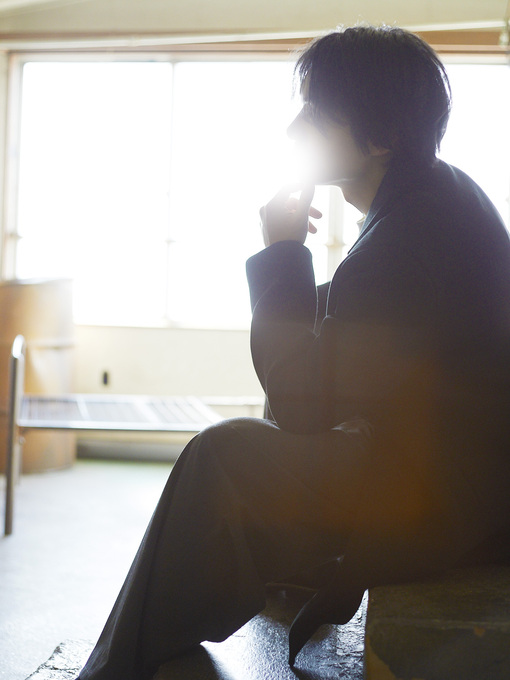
[{"x": 286, "y": 218}]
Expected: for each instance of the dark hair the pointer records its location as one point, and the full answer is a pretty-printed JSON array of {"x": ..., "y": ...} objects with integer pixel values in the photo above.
[{"x": 385, "y": 82}]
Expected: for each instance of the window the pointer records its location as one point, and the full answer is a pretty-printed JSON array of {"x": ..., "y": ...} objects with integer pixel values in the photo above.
[
  {"x": 93, "y": 183},
  {"x": 142, "y": 180},
  {"x": 477, "y": 139}
]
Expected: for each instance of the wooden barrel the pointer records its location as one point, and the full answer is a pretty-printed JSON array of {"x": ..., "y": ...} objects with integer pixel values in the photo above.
[{"x": 40, "y": 310}]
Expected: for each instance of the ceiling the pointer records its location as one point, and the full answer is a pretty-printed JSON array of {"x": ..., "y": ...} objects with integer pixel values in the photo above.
[{"x": 239, "y": 17}]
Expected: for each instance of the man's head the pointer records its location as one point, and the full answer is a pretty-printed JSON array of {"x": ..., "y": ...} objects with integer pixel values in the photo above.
[{"x": 386, "y": 83}]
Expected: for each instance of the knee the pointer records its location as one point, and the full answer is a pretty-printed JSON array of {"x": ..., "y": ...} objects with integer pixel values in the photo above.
[
  {"x": 224, "y": 430},
  {"x": 224, "y": 436},
  {"x": 230, "y": 444}
]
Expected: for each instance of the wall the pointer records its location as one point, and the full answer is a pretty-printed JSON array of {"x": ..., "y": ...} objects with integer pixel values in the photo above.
[
  {"x": 183, "y": 17},
  {"x": 164, "y": 361}
]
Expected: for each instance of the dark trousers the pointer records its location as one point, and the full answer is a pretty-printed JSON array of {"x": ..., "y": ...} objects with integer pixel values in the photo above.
[{"x": 248, "y": 504}]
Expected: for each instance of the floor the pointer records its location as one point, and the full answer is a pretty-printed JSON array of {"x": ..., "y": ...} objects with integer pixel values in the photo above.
[{"x": 76, "y": 532}]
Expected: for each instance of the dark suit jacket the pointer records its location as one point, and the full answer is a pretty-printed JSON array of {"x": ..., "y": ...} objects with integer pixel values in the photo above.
[{"x": 416, "y": 335}]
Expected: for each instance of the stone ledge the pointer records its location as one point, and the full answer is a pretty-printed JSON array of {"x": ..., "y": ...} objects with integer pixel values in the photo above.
[
  {"x": 257, "y": 651},
  {"x": 456, "y": 626},
  {"x": 66, "y": 661}
]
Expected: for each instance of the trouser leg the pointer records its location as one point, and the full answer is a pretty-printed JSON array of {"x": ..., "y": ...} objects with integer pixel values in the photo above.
[{"x": 245, "y": 504}]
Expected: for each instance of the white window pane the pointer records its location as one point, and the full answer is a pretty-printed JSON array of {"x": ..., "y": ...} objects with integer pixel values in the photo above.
[
  {"x": 477, "y": 139},
  {"x": 94, "y": 172}
]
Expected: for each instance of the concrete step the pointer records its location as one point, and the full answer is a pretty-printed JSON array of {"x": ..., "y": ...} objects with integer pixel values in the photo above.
[
  {"x": 258, "y": 651},
  {"x": 453, "y": 627}
]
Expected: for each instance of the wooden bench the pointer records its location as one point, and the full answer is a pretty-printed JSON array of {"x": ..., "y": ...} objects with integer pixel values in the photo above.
[{"x": 92, "y": 412}]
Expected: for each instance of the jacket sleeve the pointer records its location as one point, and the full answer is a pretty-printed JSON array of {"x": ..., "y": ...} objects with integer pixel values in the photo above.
[{"x": 366, "y": 346}]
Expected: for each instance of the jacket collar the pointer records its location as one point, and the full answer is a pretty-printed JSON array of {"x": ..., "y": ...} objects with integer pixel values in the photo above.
[{"x": 401, "y": 178}]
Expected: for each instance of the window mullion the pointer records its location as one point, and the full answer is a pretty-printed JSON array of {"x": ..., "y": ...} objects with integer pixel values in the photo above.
[
  {"x": 12, "y": 156},
  {"x": 170, "y": 235}
]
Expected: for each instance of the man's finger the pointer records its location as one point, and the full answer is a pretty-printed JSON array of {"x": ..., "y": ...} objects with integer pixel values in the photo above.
[
  {"x": 283, "y": 195},
  {"x": 306, "y": 197}
]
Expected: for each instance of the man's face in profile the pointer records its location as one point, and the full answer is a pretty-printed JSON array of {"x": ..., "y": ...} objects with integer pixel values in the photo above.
[{"x": 326, "y": 149}]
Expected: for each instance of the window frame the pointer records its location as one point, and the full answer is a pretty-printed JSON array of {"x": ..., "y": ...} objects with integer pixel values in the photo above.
[{"x": 278, "y": 52}]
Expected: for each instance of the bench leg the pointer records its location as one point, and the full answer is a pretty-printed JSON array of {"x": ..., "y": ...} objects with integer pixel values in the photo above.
[
  {"x": 12, "y": 475},
  {"x": 13, "y": 463}
]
